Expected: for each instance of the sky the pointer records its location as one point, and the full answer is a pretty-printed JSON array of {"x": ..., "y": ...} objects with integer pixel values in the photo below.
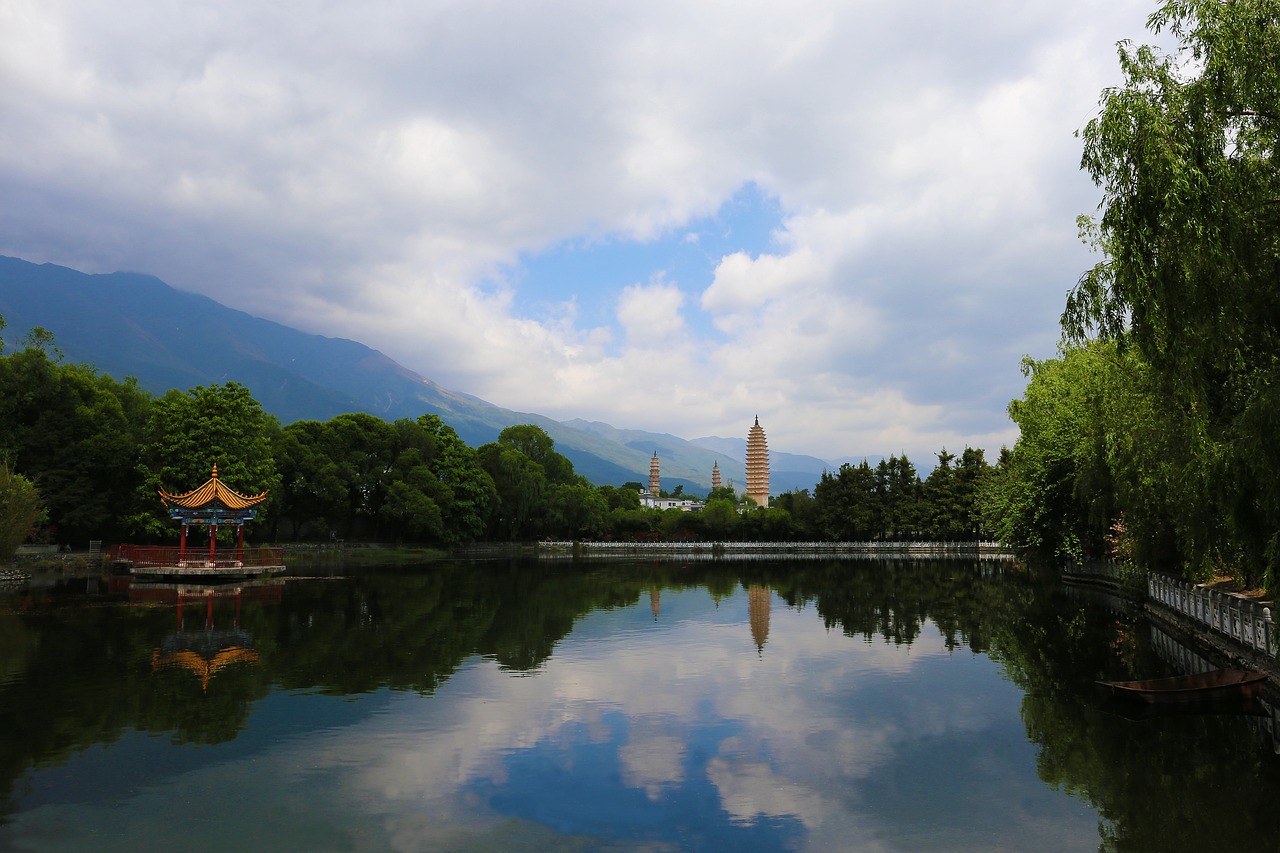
[{"x": 850, "y": 219}]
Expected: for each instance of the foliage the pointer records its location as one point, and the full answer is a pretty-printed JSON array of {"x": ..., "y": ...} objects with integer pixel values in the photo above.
[
  {"x": 20, "y": 509},
  {"x": 100, "y": 450},
  {"x": 1187, "y": 154},
  {"x": 1051, "y": 493},
  {"x": 359, "y": 476},
  {"x": 188, "y": 433},
  {"x": 77, "y": 433}
]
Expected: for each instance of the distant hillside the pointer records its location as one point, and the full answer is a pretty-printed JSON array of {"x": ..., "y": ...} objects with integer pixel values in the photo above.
[{"x": 129, "y": 324}]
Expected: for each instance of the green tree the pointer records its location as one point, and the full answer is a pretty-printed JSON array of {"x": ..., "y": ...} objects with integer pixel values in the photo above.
[
  {"x": 848, "y": 505},
  {"x": 899, "y": 489},
  {"x": 1187, "y": 154},
  {"x": 619, "y": 497},
  {"x": 77, "y": 433},
  {"x": 575, "y": 510},
  {"x": 1052, "y": 492},
  {"x": 189, "y": 433},
  {"x": 521, "y": 488},
  {"x": 539, "y": 447},
  {"x": 312, "y": 497},
  {"x": 720, "y": 518},
  {"x": 469, "y": 496},
  {"x": 364, "y": 448},
  {"x": 802, "y": 512},
  {"x": 944, "y": 508},
  {"x": 724, "y": 493},
  {"x": 20, "y": 509}
]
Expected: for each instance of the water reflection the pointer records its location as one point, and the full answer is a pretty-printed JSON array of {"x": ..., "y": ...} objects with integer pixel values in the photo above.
[
  {"x": 206, "y": 650},
  {"x": 755, "y": 706}
]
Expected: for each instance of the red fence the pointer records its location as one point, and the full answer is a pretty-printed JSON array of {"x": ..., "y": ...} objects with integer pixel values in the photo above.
[{"x": 163, "y": 556}]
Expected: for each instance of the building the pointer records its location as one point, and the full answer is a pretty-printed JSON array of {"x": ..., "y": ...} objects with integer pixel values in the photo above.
[
  {"x": 715, "y": 475},
  {"x": 758, "y": 465},
  {"x": 651, "y": 498}
]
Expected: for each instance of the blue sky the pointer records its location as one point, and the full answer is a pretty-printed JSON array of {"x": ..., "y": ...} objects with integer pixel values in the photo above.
[
  {"x": 591, "y": 271},
  {"x": 852, "y": 219}
]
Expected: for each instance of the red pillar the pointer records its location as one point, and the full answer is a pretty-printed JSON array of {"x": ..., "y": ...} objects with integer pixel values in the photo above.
[
  {"x": 182, "y": 543},
  {"x": 240, "y": 543},
  {"x": 213, "y": 542}
]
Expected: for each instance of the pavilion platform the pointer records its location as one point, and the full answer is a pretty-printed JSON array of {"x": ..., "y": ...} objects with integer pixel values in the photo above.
[{"x": 150, "y": 561}]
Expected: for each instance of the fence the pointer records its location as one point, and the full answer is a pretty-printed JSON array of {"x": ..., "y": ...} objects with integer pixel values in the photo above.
[
  {"x": 167, "y": 557},
  {"x": 1247, "y": 622},
  {"x": 929, "y": 549}
]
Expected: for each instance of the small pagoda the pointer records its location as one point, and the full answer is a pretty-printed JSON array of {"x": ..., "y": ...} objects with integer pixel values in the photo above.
[{"x": 212, "y": 505}]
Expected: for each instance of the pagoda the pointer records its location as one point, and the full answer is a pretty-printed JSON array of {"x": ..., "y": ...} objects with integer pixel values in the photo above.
[
  {"x": 758, "y": 466},
  {"x": 212, "y": 505}
]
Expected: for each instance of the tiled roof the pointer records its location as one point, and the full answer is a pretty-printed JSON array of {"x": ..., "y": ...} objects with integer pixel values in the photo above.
[{"x": 213, "y": 490}]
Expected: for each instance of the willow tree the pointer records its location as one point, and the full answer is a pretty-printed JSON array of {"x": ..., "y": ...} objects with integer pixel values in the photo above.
[{"x": 1187, "y": 154}]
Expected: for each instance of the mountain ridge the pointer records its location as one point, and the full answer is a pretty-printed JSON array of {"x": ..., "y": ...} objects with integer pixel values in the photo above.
[{"x": 134, "y": 324}]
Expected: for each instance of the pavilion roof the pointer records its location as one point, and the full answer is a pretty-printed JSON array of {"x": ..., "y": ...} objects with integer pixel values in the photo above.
[{"x": 212, "y": 491}]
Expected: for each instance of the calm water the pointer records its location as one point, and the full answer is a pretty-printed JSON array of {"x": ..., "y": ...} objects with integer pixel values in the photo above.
[{"x": 811, "y": 705}]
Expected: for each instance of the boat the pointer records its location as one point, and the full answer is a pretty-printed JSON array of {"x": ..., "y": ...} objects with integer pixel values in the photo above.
[{"x": 1214, "y": 686}]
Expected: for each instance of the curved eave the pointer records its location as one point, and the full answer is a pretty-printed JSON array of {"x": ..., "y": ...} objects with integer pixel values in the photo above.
[{"x": 212, "y": 492}]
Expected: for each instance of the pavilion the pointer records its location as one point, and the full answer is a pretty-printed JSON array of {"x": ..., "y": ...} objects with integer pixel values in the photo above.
[{"x": 212, "y": 505}]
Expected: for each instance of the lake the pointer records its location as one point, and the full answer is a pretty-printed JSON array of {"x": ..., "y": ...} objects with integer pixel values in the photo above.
[{"x": 750, "y": 705}]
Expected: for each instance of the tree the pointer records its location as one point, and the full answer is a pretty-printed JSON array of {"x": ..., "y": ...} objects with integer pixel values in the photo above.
[
  {"x": 724, "y": 493},
  {"x": 848, "y": 504},
  {"x": 720, "y": 518},
  {"x": 898, "y": 488},
  {"x": 1186, "y": 153},
  {"x": 949, "y": 495},
  {"x": 364, "y": 448},
  {"x": 539, "y": 447},
  {"x": 802, "y": 512},
  {"x": 521, "y": 488},
  {"x": 1052, "y": 493},
  {"x": 470, "y": 497},
  {"x": 620, "y": 497},
  {"x": 20, "y": 509},
  {"x": 312, "y": 495},
  {"x": 943, "y": 506},
  {"x": 188, "y": 433},
  {"x": 77, "y": 434}
]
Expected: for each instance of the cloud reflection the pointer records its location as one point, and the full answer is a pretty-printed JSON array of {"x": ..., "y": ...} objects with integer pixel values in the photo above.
[{"x": 679, "y": 734}]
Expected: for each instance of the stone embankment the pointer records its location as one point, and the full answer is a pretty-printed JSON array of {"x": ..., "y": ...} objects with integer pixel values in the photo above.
[{"x": 1238, "y": 628}]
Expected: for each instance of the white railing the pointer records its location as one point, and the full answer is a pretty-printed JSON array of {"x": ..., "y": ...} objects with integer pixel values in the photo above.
[
  {"x": 872, "y": 547},
  {"x": 1248, "y": 622}
]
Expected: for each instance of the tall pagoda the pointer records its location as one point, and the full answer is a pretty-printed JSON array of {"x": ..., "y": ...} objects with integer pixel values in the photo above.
[
  {"x": 655, "y": 482},
  {"x": 758, "y": 466}
]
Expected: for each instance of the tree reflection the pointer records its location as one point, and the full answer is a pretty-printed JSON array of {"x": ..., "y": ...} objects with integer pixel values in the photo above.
[{"x": 79, "y": 670}]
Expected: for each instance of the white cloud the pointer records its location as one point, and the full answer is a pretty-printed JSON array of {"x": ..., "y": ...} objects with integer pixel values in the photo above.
[{"x": 370, "y": 172}]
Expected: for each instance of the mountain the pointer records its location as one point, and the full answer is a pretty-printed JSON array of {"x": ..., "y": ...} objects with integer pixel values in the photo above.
[{"x": 130, "y": 324}]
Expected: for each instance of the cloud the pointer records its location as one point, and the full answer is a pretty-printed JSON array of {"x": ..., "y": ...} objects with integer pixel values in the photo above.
[{"x": 382, "y": 173}]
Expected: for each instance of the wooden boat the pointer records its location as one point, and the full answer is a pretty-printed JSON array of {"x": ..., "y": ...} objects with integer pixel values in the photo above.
[{"x": 1212, "y": 686}]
